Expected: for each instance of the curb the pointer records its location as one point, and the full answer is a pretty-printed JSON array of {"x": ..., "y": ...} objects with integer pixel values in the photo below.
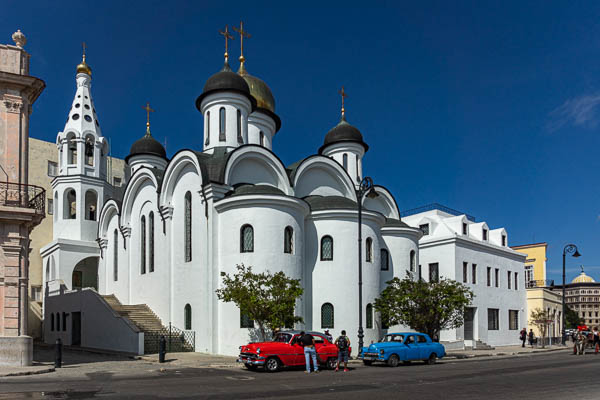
[
  {"x": 467, "y": 356},
  {"x": 24, "y": 373}
]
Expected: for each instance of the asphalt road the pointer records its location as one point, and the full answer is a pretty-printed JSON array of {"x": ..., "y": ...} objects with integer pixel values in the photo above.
[{"x": 557, "y": 375}]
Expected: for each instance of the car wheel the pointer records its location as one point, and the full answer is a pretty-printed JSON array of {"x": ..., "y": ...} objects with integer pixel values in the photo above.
[
  {"x": 272, "y": 365},
  {"x": 367, "y": 362},
  {"x": 393, "y": 361},
  {"x": 332, "y": 363},
  {"x": 431, "y": 360},
  {"x": 251, "y": 367}
]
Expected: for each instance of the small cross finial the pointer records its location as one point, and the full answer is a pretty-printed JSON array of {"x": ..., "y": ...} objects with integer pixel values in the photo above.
[
  {"x": 148, "y": 111},
  {"x": 83, "y": 46},
  {"x": 243, "y": 34},
  {"x": 227, "y": 36},
  {"x": 342, "y": 93}
]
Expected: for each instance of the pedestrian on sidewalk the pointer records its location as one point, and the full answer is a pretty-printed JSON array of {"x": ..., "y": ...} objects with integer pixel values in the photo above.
[
  {"x": 596, "y": 340},
  {"x": 531, "y": 337},
  {"x": 308, "y": 342},
  {"x": 342, "y": 343},
  {"x": 523, "y": 336}
]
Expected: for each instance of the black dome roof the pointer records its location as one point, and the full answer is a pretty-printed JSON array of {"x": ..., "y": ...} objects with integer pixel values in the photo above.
[
  {"x": 225, "y": 80},
  {"x": 147, "y": 145},
  {"x": 343, "y": 132}
]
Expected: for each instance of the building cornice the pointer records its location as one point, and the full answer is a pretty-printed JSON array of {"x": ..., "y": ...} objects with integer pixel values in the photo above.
[
  {"x": 477, "y": 245},
  {"x": 245, "y": 201},
  {"x": 348, "y": 215}
]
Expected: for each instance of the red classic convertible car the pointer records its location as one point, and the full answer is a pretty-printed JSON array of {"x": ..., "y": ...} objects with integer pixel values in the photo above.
[{"x": 285, "y": 351}]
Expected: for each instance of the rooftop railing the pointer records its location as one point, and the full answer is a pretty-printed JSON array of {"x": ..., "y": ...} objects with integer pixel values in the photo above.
[
  {"x": 24, "y": 196},
  {"x": 540, "y": 283}
]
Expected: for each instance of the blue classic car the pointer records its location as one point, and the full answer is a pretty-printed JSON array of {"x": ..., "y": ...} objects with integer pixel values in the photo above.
[{"x": 405, "y": 347}]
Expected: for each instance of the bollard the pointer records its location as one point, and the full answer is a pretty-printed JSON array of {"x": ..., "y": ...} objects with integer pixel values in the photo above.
[
  {"x": 162, "y": 349},
  {"x": 58, "y": 354}
]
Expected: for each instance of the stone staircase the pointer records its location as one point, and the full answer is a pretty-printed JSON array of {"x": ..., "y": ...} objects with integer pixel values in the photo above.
[
  {"x": 140, "y": 314},
  {"x": 479, "y": 345}
]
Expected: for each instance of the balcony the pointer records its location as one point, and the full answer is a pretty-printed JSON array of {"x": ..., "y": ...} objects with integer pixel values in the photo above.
[
  {"x": 23, "y": 196},
  {"x": 540, "y": 283}
]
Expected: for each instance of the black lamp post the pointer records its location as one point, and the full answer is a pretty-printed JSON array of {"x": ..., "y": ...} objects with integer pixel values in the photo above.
[
  {"x": 365, "y": 188},
  {"x": 569, "y": 249}
]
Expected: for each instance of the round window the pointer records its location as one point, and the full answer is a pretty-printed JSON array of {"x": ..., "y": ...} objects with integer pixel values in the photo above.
[
  {"x": 77, "y": 105},
  {"x": 87, "y": 107},
  {"x": 75, "y": 117},
  {"x": 78, "y": 96},
  {"x": 85, "y": 97},
  {"x": 87, "y": 118}
]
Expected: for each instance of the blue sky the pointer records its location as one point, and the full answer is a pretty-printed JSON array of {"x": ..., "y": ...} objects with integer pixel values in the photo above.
[{"x": 492, "y": 108}]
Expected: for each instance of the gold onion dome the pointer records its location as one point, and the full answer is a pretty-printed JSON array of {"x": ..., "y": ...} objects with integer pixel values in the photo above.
[
  {"x": 259, "y": 90},
  {"x": 83, "y": 68},
  {"x": 583, "y": 278}
]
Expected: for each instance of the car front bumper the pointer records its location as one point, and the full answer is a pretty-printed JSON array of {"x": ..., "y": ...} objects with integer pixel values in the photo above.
[
  {"x": 251, "y": 360},
  {"x": 370, "y": 357}
]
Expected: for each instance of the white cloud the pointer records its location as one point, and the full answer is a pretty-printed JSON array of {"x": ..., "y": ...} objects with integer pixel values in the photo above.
[{"x": 582, "y": 111}]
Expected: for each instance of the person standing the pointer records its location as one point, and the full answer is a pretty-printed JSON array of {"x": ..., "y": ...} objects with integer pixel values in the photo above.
[
  {"x": 596, "y": 339},
  {"x": 308, "y": 342},
  {"x": 531, "y": 337},
  {"x": 328, "y": 335},
  {"x": 343, "y": 344},
  {"x": 523, "y": 336}
]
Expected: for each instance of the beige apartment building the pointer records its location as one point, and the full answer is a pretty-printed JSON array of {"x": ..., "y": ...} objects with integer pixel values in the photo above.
[{"x": 43, "y": 167}]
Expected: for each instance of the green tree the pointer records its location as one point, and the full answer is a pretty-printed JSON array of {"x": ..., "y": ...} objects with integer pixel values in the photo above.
[
  {"x": 539, "y": 318},
  {"x": 572, "y": 319},
  {"x": 268, "y": 299},
  {"x": 427, "y": 307}
]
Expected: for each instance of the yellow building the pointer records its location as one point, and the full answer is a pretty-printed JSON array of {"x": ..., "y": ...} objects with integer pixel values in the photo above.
[
  {"x": 549, "y": 301},
  {"x": 535, "y": 264},
  {"x": 43, "y": 167}
]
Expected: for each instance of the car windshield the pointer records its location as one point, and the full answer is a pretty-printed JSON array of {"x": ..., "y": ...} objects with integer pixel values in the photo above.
[
  {"x": 282, "y": 337},
  {"x": 393, "y": 338}
]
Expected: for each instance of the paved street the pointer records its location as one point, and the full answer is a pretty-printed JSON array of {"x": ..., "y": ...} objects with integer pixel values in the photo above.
[{"x": 557, "y": 375}]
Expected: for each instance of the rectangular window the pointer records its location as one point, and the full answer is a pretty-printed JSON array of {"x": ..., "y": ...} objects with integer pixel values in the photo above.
[
  {"x": 485, "y": 234},
  {"x": 513, "y": 320},
  {"x": 465, "y": 229},
  {"x": 508, "y": 279},
  {"x": 117, "y": 181},
  {"x": 516, "y": 281},
  {"x": 497, "y": 277},
  {"x": 493, "y": 321},
  {"x": 529, "y": 276},
  {"x": 36, "y": 293},
  {"x": 503, "y": 241},
  {"x": 50, "y": 206},
  {"x": 420, "y": 272},
  {"x": 489, "y": 276},
  {"x": 52, "y": 168},
  {"x": 434, "y": 272},
  {"x": 465, "y": 272},
  {"x": 425, "y": 229},
  {"x": 474, "y": 273},
  {"x": 245, "y": 321}
]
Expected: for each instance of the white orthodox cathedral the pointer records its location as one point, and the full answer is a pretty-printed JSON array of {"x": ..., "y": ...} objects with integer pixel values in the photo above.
[{"x": 165, "y": 237}]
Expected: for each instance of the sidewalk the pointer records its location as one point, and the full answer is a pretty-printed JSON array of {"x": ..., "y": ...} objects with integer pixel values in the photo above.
[{"x": 504, "y": 351}]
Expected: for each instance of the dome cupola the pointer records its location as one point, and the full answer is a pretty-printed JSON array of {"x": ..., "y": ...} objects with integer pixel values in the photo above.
[
  {"x": 147, "y": 151},
  {"x": 583, "y": 278}
]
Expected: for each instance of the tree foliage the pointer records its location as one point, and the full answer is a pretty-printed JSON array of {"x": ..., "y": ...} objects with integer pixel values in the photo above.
[
  {"x": 539, "y": 318},
  {"x": 427, "y": 307},
  {"x": 268, "y": 299},
  {"x": 572, "y": 319}
]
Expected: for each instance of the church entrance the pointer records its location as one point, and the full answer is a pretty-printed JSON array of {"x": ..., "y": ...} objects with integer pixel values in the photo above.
[{"x": 85, "y": 274}]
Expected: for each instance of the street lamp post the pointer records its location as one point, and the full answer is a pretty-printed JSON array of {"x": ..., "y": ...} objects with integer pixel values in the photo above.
[
  {"x": 569, "y": 249},
  {"x": 365, "y": 188}
]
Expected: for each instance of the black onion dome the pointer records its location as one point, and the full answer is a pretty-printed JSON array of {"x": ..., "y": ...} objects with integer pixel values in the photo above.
[
  {"x": 147, "y": 145},
  {"x": 343, "y": 132},
  {"x": 225, "y": 81}
]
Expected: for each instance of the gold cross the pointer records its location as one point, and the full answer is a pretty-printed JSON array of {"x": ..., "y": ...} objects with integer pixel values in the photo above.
[
  {"x": 227, "y": 36},
  {"x": 243, "y": 34},
  {"x": 148, "y": 111},
  {"x": 83, "y": 45},
  {"x": 344, "y": 95}
]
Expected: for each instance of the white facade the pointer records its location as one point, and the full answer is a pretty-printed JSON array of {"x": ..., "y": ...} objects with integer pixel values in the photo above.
[{"x": 461, "y": 252}]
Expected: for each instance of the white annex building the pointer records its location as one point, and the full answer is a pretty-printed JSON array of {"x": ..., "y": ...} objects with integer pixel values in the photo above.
[{"x": 127, "y": 261}]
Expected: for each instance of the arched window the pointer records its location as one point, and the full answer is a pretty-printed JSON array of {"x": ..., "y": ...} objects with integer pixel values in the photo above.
[
  {"x": 70, "y": 204},
  {"x": 188, "y": 227},
  {"x": 288, "y": 240},
  {"x": 385, "y": 260},
  {"x": 345, "y": 161},
  {"x": 151, "y": 242},
  {"x": 115, "y": 255},
  {"x": 64, "y": 317},
  {"x": 369, "y": 250},
  {"x": 247, "y": 239},
  {"x": 222, "y": 124},
  {"x": 52, "y": 322},
  {"x": 187, "y": 316},
  {"x": 91, "y": 200},
  {"x": 143, "y": 245},
  {"x": 326, "y": 248},
  {"x": 207, "y": 128},
  {"x": 55, "y": 205},
  {"x": 413, "y": 261},
  {"x": 369, "y": 316},
  {"x": 239, "y": 127},
  {"x": 58, "y": 322},
  {"x": 327, "y": 315},
  {"x": 72, "y": 146},
  {"x": 262, "y": 138},
  {"x": 89, "y": 150}
]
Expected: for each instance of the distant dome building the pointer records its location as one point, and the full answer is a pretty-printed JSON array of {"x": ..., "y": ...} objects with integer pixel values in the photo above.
[
  {"x": 583, "y": 278},
  {"x": 582, "y": 295}
]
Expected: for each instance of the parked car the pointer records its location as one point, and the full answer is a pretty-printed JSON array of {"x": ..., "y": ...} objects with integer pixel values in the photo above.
[
  {"x": 284, "y": 351},
  {"x": 405, "y": 347}
]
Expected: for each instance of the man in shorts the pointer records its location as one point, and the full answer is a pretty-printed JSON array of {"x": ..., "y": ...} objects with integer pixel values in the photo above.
[{"x": 343, "y": 344}]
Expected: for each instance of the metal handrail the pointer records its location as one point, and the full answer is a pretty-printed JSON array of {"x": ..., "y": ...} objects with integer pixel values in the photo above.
[
  {"x": 24, "y": 196},
  {"x": 540, "y": 283}
]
